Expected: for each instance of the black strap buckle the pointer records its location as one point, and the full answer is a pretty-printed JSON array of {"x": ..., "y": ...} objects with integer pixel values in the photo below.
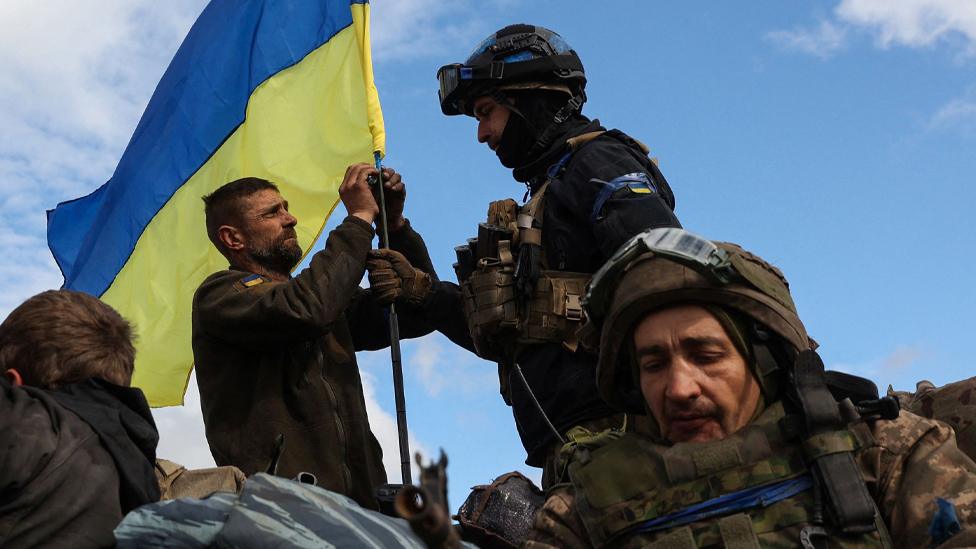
[{"x": 497, "y": 70}]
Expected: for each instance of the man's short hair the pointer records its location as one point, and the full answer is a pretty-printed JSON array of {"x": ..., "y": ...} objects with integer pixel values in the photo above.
[
  {"x": 223, "y": 206},
  {"x": 59, "y": 337}
]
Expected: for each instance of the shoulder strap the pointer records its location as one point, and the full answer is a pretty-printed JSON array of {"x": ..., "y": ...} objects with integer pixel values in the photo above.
[{"x": 827, "y": 448}]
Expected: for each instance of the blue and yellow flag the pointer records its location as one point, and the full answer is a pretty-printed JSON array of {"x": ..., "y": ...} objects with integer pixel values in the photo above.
[{"x": 278, "y": 89}]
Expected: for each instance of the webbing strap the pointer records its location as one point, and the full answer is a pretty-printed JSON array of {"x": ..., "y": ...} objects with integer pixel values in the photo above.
[
  {"x": 853, "y": 507},
  {"x": 820, "y": 410}
]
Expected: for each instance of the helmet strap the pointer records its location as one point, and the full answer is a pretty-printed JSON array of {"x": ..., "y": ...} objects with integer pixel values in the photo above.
[
  {"x": 767, "y": 365},
  {"x": 573, "y": 106}
]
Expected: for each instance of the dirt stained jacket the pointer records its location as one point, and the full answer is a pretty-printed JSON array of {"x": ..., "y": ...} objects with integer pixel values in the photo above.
[{"x": 279, "y": 358}]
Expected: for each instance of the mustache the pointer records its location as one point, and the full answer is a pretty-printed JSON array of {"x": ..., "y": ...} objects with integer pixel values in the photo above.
[{"x": 693, "y": 409}]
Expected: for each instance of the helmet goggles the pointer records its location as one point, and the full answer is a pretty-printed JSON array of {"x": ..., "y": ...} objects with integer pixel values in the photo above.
[
  {"x": 676, "y": 244},
  {"x": 516, "y": 57}
]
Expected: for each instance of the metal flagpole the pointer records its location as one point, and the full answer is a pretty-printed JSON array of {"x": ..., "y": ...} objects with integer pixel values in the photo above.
[{"x": 401, "y": 405}]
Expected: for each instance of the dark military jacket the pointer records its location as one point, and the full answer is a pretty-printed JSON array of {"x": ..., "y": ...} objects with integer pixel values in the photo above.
[
  {"x": 278, "y": 358},
  {"x": 585, "y": 221},
  {"x": 906, "y": 464},
  {"x": 590, "y": 210},
  {"x": 73, "y": 461}
]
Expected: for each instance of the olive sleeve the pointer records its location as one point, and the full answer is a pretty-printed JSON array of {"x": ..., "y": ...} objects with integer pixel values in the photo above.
[{"x": 242, "y": 308}]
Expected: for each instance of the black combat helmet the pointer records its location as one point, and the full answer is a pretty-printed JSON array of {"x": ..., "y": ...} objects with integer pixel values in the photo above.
[{"x": 515, "y": 57}]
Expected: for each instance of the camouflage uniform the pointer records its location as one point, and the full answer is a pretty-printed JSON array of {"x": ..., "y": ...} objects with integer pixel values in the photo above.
[
  {"x": 911, "y": 461},
  {"x": 823, "y": 464},
  {"x": 953, "y": 404}
]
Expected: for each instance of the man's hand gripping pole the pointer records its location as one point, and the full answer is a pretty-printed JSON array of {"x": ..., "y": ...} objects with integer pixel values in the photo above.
[{"x": 401, "y": 405}]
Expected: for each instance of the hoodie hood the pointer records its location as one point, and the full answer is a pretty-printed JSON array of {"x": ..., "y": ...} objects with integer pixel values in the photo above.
[{"x": 121, "y": 418}]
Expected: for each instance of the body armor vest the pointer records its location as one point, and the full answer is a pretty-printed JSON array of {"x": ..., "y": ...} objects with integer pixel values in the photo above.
[
  {"x": 502, "y": 319},
  {"x": 752, "y": 489}
]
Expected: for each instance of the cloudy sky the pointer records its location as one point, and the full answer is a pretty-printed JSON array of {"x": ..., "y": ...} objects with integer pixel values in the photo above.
[{"x": 834, "y": 138}]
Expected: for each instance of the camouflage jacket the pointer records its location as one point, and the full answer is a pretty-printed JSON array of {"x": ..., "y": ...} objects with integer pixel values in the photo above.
[
  {"x": 953, "y": 404},
  {"x": 910, "y": 462}
]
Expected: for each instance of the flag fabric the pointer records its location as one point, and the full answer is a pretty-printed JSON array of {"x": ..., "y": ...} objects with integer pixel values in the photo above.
[{"x": 277, "y": 89}]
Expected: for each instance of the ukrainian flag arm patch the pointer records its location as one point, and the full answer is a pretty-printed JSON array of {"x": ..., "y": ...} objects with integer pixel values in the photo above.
[{"x": 250, "y": 281}]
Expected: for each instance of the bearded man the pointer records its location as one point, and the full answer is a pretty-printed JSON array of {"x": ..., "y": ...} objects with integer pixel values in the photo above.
[{"x": 275, "y": 354}]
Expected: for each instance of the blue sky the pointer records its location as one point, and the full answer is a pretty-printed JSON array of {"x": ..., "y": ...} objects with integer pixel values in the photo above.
[{"x": 834, "y": 138}]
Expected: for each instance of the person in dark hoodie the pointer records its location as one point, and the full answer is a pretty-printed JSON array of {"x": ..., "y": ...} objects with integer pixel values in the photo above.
[
  {"x": 591, "y": 189},
  {"x": 78, "y": 443}
]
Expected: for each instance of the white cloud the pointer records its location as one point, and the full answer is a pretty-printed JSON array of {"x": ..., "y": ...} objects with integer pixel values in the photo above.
[
  {"x": 822, "y": 41},
  {"x": 182, "y": 437},
  {"x": 957, "y": 113},
  {"x": 911, "y": 23},
  {"x": 899, "y": 360},
  {"x": 436, "y": 368},
  {"x": 413, "y": 29},
  {"x": 76, "y": 78},
  {"x": 384, "y": 427},
  {"x": 894, "y": 364},
  {"x": 409, "y": 29},
  {"x": 181, "y": 433}
]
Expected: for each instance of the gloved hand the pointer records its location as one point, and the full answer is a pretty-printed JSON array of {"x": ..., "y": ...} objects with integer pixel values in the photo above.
[{"x": 393, "y": 278}]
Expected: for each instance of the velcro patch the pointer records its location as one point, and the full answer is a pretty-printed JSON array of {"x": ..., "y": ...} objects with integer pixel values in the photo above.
[{"x": 252, "y": 280}]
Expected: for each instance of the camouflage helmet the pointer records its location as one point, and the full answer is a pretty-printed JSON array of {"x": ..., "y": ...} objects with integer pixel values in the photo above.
[
  {"x": 670, "y": 266},
  {"x": 515, "y": 57}
]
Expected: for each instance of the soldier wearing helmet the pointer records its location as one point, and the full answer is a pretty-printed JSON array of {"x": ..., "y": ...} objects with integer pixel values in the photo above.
[
  {"x": 523, "y": 279},
  {"x": 751, "y": 442}
]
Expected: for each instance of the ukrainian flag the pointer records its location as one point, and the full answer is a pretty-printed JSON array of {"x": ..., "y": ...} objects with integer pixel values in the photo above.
[{"x": 278, "y": 89}]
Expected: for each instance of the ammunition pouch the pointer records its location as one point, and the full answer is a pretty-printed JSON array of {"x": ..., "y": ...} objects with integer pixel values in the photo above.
[
  {"x": 555, "y": 310},
  {"x": 500, "y": 325},
  {"x": 491, "y": 311},
  {"x": 500, "y": 319}
]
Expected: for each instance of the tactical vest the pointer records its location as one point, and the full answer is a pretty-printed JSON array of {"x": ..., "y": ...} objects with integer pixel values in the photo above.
[
  {"x": 752, "y": 489},
  {"x": 499, "y": 319}
]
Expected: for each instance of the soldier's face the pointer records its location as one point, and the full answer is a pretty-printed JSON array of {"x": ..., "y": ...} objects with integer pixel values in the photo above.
[
  {"x": 695, "y": 382},
  {"x": 269, "y": 230},
  {"x": 492, "y": 118}
]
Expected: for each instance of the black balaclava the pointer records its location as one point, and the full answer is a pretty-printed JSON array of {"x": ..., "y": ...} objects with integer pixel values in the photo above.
[{"x": 532, "y": 112}]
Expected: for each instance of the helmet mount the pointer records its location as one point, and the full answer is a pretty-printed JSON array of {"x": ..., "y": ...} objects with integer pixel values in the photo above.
[{"x": 515, "y": 57}]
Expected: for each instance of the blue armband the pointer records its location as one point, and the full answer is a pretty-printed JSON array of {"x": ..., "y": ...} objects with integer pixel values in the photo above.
[{"x": 638, "y": 183}]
